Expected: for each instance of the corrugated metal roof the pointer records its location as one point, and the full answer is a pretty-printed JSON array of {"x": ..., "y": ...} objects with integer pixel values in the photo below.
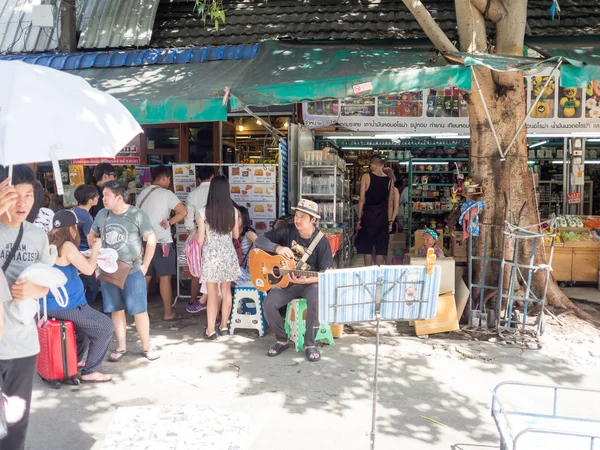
[
  {"x": 103, "y": 24},
  {"x": 133, "y": 58},
  {"x": 17, "y": 34},
  {"x": 117, "y": 23}
]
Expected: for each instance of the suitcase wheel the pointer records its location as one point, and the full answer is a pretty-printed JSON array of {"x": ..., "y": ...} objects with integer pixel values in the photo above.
[
  {"x": 75, "y": 381},
  {"x": 55, "y": 385}
]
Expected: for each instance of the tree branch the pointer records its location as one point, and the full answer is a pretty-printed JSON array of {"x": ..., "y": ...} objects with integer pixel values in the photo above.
[
  {"x": 510, "y": 33},
  {"x": 471, "y": 27},
  {"x": 431, "y": 29},
  {"x": 496, "y": 11}
]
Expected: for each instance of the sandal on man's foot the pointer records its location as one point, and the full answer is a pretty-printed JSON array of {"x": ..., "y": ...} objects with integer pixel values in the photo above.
[
  {"x": 151, "y": 354},
  {"x": 116, "y": 355},
  {"x": 277, "y": 348},
  {"x": 212, "y": 336},
  {"x": 312, "y": 354}
]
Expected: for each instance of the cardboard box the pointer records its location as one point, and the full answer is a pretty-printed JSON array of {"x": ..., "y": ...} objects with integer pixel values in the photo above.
[
  {"x": 448, "y": 274},
  {"x": 458, "y": 247},
  {"x": 399, "y": 240},
  {"x": 445, "y": 318}
]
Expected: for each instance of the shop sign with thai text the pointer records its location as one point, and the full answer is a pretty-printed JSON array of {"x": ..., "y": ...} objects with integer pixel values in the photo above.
[
  {"x": 558, "y": 111},
  {"x": 130, "y": 155}
]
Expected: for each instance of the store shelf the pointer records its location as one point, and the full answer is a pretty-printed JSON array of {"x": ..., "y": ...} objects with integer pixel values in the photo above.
[
  {"x": 433, "y": 160},
  {"x": 308, "y": 194},
  {"x": 439, "y": 172},
  {"x": 434, "y": 184},
  {"x": 324, "y": 167},
  {"x": 431, "y": 211}
]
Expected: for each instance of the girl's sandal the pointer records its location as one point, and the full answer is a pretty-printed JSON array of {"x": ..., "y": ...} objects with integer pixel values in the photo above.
[
  {"x": 98, "y": 378},
  {"x": 116, "y": 355},
  {"x": 224, "y": 331},
  {"x": 212, "y": 336}
]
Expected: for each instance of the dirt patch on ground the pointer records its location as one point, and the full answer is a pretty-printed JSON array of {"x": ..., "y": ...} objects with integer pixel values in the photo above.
[{"x": 565, "y": 337}]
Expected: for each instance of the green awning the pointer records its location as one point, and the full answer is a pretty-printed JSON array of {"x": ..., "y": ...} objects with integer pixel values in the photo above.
[
  {"x": 169, "y": 93},
  {"x": 292, "y": 73},
  {"x": 583, "y": 64},
  {"x": 500, "y": 63}
]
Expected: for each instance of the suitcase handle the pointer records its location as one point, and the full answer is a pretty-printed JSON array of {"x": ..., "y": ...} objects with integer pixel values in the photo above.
[
  {"x": 45, "y": 316},
  {"x": 60, "y": 294}
]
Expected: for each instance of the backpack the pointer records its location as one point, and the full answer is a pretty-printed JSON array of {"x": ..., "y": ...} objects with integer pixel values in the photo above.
[{"x": 193, "y": 255}]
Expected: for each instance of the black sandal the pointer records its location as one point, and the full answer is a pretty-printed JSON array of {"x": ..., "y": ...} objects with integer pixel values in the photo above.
[
  {"x": 310, "y": 351},
  {"x": 278, "y": 347},
  {"x": 116, "y": 355},
  {"x": 212, "y": 336}
]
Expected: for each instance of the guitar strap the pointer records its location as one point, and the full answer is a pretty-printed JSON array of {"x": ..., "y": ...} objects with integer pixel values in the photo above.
[{"x": 310, "y": 249}]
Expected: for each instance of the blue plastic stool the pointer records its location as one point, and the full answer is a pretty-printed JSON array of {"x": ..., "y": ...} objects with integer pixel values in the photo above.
[{"x": 247, "y": 311}]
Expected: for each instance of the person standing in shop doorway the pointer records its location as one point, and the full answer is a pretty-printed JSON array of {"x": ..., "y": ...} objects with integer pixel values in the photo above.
[
  {"x": 196, "y": 200},
  {"x": 395, "y": 205},
  {"x": 158, "y": 201},
  {"x": 103, "y": 173},
  {"x": 375, "y": 209}
]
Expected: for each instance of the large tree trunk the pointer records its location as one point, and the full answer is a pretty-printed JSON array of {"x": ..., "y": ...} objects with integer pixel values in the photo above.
[{"x": 504, "y": 96}]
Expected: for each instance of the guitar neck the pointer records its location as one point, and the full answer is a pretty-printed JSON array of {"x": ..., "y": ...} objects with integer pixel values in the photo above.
[{"x": 300, "y": 273}]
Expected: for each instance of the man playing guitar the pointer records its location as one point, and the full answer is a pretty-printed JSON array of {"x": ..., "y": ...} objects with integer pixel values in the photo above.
[{"x": 293, "y": 241}]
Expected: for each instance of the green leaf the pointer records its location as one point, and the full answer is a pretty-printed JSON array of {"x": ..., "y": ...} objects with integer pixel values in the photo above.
[{"x": 216, "y": 25}]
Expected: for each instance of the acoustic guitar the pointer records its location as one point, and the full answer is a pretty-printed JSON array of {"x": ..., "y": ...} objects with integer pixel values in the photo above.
[{"x": 268, "y": 271}]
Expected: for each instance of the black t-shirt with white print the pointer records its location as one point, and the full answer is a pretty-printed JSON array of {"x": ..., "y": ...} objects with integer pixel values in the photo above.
[{"x": 288, "y": 236}]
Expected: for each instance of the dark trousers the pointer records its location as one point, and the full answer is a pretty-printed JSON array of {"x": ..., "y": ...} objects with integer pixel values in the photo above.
[
  {"x": 91, "y": 288},
  {"x": 277, "y": 298},
  {"x": 16, "y": 380},
  {"x": 93, "y": 329}
]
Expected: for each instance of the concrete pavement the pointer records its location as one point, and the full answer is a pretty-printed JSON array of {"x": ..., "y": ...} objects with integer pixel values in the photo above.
[{"x": 294, "y": 404}]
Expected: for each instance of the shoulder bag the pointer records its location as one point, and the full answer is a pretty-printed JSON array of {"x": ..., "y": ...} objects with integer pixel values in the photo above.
[
  {"x": 119, "y": 277},
  {"x": 13, "y": 250}
]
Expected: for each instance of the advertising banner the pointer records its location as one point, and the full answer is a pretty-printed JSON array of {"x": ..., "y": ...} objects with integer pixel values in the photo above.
[{"x": 559, "y": 110}]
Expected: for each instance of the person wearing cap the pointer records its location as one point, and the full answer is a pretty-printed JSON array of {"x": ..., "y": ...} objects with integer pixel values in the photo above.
[
  {"x": 429, "y": 241},
  {"x": 93, "y": 329},
  {"x": 292, "y": 241}
]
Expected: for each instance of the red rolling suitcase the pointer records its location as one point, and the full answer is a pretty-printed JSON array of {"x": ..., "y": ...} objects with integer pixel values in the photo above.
[{"x": 57, "y": 360}]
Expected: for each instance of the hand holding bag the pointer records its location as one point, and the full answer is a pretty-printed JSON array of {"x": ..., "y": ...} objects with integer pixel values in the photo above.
[{"x": 119, "y": 277}]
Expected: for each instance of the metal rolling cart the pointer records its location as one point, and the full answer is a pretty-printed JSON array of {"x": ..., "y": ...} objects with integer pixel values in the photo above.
[
  {"x": 522, "y": 243},
  {"x": 538, "y": 417},
  {"x": 519, "y": 246},
  {"x": 477, "y": 311}
]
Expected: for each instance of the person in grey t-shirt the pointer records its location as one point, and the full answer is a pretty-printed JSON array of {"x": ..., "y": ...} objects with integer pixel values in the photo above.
[
  {"x": 19, "y": 345},
  {"x": 122, "y": 227}
]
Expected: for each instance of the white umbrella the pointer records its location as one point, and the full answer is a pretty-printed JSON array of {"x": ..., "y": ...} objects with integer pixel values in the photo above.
[{"x": 49, "y": 115}]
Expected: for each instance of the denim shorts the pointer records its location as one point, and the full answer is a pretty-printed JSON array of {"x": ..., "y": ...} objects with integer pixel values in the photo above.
[{"x": 133, "y": 297}]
